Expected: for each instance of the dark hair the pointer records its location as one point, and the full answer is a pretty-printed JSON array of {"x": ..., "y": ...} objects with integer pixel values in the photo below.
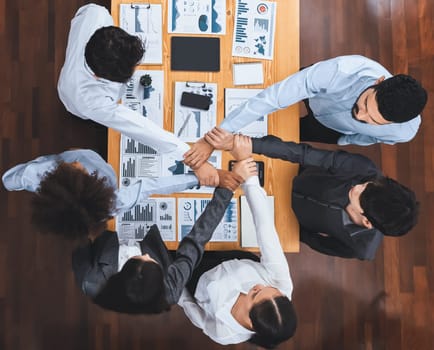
[
  {"x": 273, "y": 321},
  {"x": 112, "y": 53},
  {"x": 400, "y": 98},
  {"x": 391, "y": 207},
  {"x": 137, "y": 289},
  {"x": 70, "y": 202}
]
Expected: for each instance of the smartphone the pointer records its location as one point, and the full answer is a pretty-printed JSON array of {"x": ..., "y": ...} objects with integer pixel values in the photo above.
[
  {"x": 259, "y": 166},
  {"x": 189, "y": 99}
]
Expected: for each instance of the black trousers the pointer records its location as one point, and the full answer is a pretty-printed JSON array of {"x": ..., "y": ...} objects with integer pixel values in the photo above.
[
  {"x": 211, "y": 259},
  {"x": 312, "y": 130}
]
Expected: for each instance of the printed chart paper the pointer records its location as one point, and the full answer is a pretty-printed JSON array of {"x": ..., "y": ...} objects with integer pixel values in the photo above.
[
  {"x": 146, "y": 100},
  {"x": 133, "y": 224},
  {"x": 235, "y": 98},
  {"x": 145, "y": 21},
  {"x": 189, "y": 210},
  {"x": 254, "y": 29},
  {"x": 197, "y": 16}
]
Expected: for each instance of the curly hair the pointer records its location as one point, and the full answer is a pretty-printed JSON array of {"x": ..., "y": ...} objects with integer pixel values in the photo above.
[
  {"x": 113, "y": 54},
  {"x": 70, "y": 202},
  {"x": 391, "y": 207},
  {"x": 400, "y": 98}
]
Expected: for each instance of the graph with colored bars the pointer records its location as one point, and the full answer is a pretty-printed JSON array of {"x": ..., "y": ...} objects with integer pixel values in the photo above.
[
  {"x": 138, "y": 160},
  {"x": 241, "y": 24},
  {"x": 254, "y": 29},
  {"x": 189, "y": 210},
  {"x": 135, "y": 223}
]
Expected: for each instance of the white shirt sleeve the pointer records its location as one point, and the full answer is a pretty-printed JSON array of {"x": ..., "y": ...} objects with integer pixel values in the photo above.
[
  {"x": 272, "y": 256},
  {"x": 128, "y": 197},
  {"x": 301, "y": 85}
]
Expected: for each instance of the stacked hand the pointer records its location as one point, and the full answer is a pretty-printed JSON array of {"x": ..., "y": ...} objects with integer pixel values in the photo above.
[
  {"x": 245, "y": 168},
  {"x": 207, "y": 175},
  {"x": 220, "y": 139},
  {"x": 198, "y": 154},
  {"x": 241, "y": 149}
]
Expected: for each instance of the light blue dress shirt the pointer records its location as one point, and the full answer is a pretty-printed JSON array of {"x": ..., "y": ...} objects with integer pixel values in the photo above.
[
  {"x": 27, "y": 176},
  {"x": 332, "y": 87}
]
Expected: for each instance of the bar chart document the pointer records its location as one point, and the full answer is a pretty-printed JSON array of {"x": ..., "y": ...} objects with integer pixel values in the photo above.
[
  {"x": 254, "y": 29},
  {"x": 144, "y": 93},
  {"x": 133, "y": 224},
  {"x": 189, "y": 210}
]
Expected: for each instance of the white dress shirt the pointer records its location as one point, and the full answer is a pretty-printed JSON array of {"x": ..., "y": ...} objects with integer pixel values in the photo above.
[
  {"x": 90, "y": 97},
  {"x": 27, "y": 176},
  {"x": 219, "y": 288},
  {"x": 332, "y": 87}
]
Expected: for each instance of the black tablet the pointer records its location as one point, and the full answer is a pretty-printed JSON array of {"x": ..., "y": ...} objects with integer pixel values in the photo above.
[{"x": 195, "y": 54}]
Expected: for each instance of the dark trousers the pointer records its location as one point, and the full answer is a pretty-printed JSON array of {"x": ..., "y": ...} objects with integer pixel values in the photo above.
[
  {"x": 312, "y": 130},
  {"x": 213, "y": 258}
]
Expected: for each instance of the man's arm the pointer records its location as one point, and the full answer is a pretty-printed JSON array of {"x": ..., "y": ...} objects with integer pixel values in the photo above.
[
  {"x": 306, "y": 155},
  {"x": 303, "y": 84},
  {"x": 327, "y": 245}
]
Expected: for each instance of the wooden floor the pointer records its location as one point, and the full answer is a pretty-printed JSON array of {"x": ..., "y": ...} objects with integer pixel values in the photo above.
[{"x": 342, "y": 304}]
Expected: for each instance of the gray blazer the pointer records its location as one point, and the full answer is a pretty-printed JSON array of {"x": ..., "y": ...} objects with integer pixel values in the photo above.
[{"x": 94, "y": 263}]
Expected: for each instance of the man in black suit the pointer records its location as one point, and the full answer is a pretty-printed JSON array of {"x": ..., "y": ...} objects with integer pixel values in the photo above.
[{"x": 343, "y": 202}]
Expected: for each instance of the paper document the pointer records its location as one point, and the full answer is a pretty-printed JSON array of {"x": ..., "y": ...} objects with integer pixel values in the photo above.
[
  {"x": 189, "y": 210},
  {"x": 197, "y": 16},
  {"x": 145, "y": 21},
  {"x": 190, "y": 123},
  {"x": 248, "y": 73},
  {"x": 233, "y": 99},
  {"x": 147, "y": 100},
  {"x": 135, "y": 223},
  {"x": 254, "y": 29}
]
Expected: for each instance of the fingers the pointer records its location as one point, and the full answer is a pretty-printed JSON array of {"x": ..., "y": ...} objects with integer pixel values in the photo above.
[
  {"x": 229, "y": 180},
  {"x": 195, "y": 160},
  {"x": 219, "y": 139},
  {"x": 198, "y": 154}
]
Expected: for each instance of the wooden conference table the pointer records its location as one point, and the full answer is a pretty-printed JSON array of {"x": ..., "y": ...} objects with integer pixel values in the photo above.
[{"x": 284, "y": 123}]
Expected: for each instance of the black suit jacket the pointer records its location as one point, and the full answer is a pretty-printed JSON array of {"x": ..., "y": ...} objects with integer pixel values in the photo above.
[
  {"x": 320, "y": 196},
  {"x": 94, "y": 263}
]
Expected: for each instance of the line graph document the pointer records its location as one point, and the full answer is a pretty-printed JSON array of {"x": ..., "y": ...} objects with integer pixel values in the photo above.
[
  {"x": 145, "y": 21},
  {"x": 191, "y": 124},
  {"x": 233, "y": 99}
]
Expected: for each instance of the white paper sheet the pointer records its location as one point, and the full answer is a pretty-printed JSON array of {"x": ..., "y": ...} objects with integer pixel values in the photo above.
[
  {"x": 135, "y": 223},
  {"x": 234, "y": 98},
  {"x": 145, "y": 21},
  {"x": 191, "y": 124},
  {"x": 150, "y": 102},
  {"x": 189, "y": 210},
  {"x": 197, "y": 16},
  {"x": 254, "y": 29}
]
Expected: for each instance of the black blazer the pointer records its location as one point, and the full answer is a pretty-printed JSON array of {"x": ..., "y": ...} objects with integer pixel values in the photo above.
[
  {"x": 320, "y": 196},
  {"x": 94, "y": 263}
]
